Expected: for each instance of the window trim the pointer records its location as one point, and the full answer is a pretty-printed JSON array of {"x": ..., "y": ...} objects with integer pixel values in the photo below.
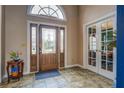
[{"x": 29, "y": 8}]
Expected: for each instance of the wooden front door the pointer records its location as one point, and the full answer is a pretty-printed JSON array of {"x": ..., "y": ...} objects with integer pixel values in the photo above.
[{"x": 48, "y": 48}]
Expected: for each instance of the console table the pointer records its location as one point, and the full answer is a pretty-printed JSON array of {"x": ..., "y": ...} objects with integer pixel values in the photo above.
[{"x": 15, "y": 69}]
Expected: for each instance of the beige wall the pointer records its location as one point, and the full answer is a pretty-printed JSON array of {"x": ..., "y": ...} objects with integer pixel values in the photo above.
[
  {"x": 3, "y": 41},
  {"x": 88, "y": 14},
  {"x": 16, "y": 31},
  {"x": 72, "y": 32}
]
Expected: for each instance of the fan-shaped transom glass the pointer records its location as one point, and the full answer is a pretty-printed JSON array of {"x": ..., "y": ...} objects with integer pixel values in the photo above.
[{"x": 47, "y": 10}]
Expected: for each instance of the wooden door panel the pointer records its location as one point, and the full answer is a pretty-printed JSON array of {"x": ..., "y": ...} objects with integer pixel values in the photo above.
[
  {"x": 33, "y": 64},
  {"x": 48, "y": 62}
]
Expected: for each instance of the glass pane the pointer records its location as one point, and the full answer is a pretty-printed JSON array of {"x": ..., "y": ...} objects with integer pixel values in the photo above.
[
  {"x": 94, "y": 29},
  {"x": 92, "y": 42},
  {"x": 103, "y": 65},
  {"x": 103, "y": 46},
  {"x": 104, "y": 26},
  {"x": 109, "y": 46},
  {"x": 60, "y": 15},
  {"x": 35, "y": 9},
  {"x": 54, "y": 14},
  {"x": 110, "y": 66},
  {"x": 89, "y": 61},
  {"x": 90, "y": 53},
  {"x": 103, "y": 36},
  {"x": 109, "y": 25},
  {"x": 42, "y": 12},
  {"x": 61, "y": 41},
  {"x": 33, "y": 30},
  {"x": 103, "y": 55},
  {"x": 110, "y": 35},
  {"x": 53, "y": 7},
  {"x": 89, "y": 31},
  {"x": 93, "y": 54},
  {"x": 110, "y": 56},
  {"x": 51, "y": 11},
  {"x": 46, "y": 10},
  {"x": 93, "y": 62},
  {"x": 48, "y": 40}
]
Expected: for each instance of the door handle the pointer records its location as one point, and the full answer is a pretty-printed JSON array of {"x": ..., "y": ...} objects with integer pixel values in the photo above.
[{"x": 40, "y": 50}]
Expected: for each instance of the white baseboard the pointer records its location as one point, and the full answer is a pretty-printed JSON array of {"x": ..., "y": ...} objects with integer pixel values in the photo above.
[
  {"x": 69, "y": 66},
  {"x": 81, "y": 66},
  {"x": 75, "y": 65}
]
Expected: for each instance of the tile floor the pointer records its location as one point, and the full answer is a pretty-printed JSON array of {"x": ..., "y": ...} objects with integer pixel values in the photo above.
[{"x": 69, "y": 78}]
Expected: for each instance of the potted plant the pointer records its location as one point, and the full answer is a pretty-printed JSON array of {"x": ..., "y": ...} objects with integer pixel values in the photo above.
[{"x": 15, "y": 55}]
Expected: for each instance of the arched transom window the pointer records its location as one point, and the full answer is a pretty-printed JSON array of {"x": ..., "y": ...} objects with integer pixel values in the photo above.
[{"x": 47, "y": 10}]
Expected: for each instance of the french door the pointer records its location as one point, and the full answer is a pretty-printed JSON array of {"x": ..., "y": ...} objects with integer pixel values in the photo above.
[
  {"x": 47, "y": 47},
  {"x": 100, "y": 50}
]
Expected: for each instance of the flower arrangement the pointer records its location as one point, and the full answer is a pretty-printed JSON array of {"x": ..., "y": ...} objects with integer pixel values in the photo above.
[{"x": 15, "y": 55}]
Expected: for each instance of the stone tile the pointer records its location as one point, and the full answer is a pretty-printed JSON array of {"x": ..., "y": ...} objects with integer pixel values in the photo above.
[
  {"x": 39, "y": 85},
  {"x": 73, "y": 78},
  {"x": 69, "y": 78},
  {"x": 28, "y": 86},
  {"x": 50, "y": 80},
  {"x": 51, "y": 85},
  {"x": 77, "y": 84}
]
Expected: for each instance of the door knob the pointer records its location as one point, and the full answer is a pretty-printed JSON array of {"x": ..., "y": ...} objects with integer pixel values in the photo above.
[{"x": 40, "y": 50}]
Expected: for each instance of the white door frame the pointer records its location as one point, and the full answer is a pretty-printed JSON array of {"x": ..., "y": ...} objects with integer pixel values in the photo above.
[
  {"x": 28, "y": 42},
  {"x": 85, "y": 35}
]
